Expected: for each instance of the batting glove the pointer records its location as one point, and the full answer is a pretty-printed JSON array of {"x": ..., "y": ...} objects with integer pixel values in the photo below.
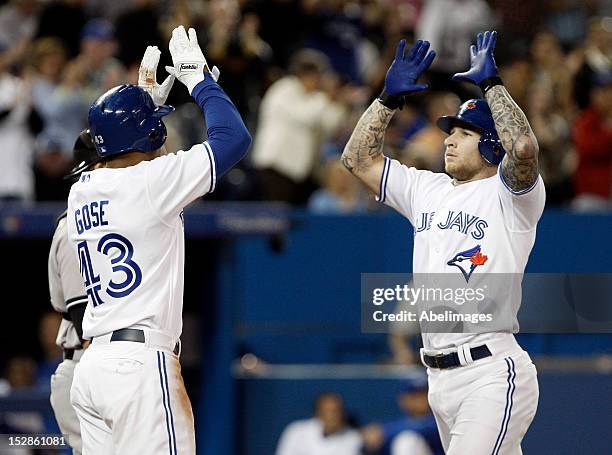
[
  {"x": 483, "y": 70},
  {"x": 147, "y": 76},
  {"x": 403, "y": 73},
  {"x": 189, "y": 61}
]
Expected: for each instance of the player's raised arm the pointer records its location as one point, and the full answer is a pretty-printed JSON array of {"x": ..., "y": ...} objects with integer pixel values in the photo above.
[
  {"x": 519, "y": 168},
  {"x": 363, "y": 152},
  {"x": 228, "y": 137}
]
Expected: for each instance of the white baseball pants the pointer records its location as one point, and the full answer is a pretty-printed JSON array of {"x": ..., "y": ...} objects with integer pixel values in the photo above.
[
  {"x": 485, "y": 408},
  {"x": 130, "y": 398},
  {"x": 66, "y": 417}
]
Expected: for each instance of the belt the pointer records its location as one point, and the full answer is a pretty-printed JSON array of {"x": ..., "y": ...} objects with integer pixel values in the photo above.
[
  {"x": 137, "y": 336},
  {"x": 72, "y": 354},
  {"x": 451, "y": 360}
]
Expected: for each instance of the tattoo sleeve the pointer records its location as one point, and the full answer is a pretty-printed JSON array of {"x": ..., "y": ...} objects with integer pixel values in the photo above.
[
  {"x": 366, "y": 142},
  {"x": 520, "y": 165}
]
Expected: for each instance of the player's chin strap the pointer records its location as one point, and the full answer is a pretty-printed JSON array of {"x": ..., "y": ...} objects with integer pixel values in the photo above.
[{"x": 465, "y": 355}]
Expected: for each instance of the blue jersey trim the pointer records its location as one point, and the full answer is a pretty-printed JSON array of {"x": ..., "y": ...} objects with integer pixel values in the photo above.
[
  {"x": 382, "y": 192},
  {"x": 169, "y": 405},
  {"x": 508, "y": 410},
  {"x": 520, "y": 192},
  {"x": 163, "y": 389},
  {"x": 213, "y": 171}
]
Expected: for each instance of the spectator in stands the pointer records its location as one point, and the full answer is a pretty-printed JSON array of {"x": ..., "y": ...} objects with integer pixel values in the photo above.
[
  {"x": 593, "y": 138},
  {"x": 52, "y": 353},
  {"x": 63, "y": 19},
  {"x": 450, "y": 26},
  {"x": 65, "y": 105},
  {"x": 135, "y": 29},
  {"x": 557, "y": 160},
  {"x": 46, "y": 63},
  {"x": 96, "y": 68},
  {"x": 19, "y": 375},
  {"x": 233, "y": 42},
  {"x": 327, "y": 433},
  {"x": 335, "y": 29},
  {"x": 550, "y": 69},
  {"x": 18, "y": 22},
  {"x": 16, "y": 138},
  {"x": 425, "y": 150},
  {"x": 414, "y": 434},
  {"x": 295, "y": 117},
  {"x": 341, "y": 194},
  {"x": 595, "y": 56}
]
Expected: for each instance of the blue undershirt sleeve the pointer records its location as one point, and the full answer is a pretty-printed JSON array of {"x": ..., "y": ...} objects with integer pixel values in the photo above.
[{"x": 228, "y": 136}]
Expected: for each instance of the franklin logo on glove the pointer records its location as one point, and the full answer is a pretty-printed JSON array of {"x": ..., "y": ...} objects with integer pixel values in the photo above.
[{"x": 188, "y": 67}]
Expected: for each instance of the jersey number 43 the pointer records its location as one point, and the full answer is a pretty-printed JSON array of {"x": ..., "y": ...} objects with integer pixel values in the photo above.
[{"x": 120, "y": 251}]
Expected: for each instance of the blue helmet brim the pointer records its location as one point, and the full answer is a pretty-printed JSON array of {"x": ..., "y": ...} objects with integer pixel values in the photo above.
[{"x": 447, "y": 122}]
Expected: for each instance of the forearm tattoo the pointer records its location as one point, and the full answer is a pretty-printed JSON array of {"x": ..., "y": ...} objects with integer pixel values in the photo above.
[
  {"x": 366, "y": 142},
  {"x": 520, "y": 165}
]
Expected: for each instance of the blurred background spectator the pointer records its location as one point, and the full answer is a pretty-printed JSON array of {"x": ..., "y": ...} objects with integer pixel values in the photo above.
[
  {"x": 593, "y": 139},
  {"x": 297, "y": 113},
  {"x": 326, "y": 433},
  {"x": 415, "y": 433},
  {"x": 340, "y": 194},
  {"x": 300, "y": 72}
]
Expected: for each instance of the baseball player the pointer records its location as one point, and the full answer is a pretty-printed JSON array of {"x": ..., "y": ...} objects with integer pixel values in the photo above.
[
  {"x": 480, "y": 217},
  {"x": 68, "y": 297},
  {"x": 125, "y": 224}
]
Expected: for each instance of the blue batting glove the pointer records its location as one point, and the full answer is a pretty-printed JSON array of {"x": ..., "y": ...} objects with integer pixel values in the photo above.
[
  {"x": 483, "y": 70},
  {"x": 403, "y": 73}
]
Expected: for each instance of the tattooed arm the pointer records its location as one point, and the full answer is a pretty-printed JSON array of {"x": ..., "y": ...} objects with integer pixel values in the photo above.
[
  {"x": 363, "y": 152},
  {"x": 520, "y": 165}
]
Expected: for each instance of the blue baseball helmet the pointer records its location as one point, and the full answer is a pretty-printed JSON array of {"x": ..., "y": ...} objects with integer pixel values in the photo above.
[
  {"x": 126, "y": 119},
  {"x": 475, "y": 115}
]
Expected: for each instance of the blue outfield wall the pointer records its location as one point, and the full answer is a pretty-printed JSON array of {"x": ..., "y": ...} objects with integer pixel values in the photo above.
[{"x": 302, "y": 303}]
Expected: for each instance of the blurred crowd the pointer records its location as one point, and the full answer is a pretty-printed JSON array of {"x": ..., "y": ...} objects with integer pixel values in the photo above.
[
  {"x": 333, "y": 429},
  {"x": 301, "y": 72}
]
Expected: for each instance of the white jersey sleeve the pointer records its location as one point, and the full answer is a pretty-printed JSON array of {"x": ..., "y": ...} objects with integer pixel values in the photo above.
[
  {"x": 65, "y": 281},
  {"x": 176, "y": 179},
  {"x": 402, "y": 186},
  {"x": 66, "y": 286},
  {"x": 522, "y": 209}
]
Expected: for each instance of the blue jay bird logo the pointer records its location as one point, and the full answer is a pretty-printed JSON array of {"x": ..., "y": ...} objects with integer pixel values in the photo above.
[{"x": 475, "y": 258}]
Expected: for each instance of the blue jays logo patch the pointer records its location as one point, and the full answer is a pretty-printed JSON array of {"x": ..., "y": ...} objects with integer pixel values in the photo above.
[{"x": 475, "y": 258}]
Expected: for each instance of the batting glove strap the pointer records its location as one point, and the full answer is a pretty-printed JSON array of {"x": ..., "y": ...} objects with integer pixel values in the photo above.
[
  {"x": 489, "y": 83},
  {"x": 392, "y": 101},
  {"x": 190, "y": 73}
]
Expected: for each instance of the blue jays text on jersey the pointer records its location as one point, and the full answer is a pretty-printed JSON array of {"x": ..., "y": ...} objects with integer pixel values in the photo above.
[{"x": 463, "y": 222}]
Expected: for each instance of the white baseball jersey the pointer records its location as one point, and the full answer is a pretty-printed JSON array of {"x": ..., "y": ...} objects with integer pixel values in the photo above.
[
  {"x": 65, "y": 284},
  {"x": 483, "y": 219},
  {"x": 126, "y": 227}
]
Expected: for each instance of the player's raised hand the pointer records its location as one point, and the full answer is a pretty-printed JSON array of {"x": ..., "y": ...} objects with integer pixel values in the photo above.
[
  {"x": 482, "y": 62},
  {"x": 402, "y": 75},
  {"x": 188, "y": 59},
  {"x": 147, "y": 78}
]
